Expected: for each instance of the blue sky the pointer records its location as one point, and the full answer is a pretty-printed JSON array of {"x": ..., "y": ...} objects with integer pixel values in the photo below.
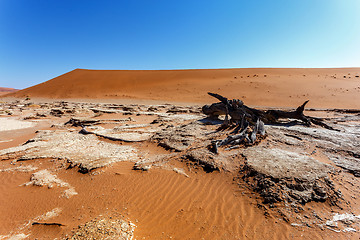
[{"x": 42, "y": 39}]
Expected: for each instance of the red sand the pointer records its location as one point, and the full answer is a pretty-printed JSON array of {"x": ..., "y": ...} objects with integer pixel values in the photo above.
[
  {"x": 325, "y": 88},
  {"x": 164, "y": 204},
  {"x": 4, "y": 90}
]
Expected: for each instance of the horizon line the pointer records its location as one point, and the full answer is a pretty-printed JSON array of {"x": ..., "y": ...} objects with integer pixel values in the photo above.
[{"x": 174, "y": 69}]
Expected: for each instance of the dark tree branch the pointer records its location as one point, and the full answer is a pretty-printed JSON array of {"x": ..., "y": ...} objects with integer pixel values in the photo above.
[{"x": 238, "y": 111}]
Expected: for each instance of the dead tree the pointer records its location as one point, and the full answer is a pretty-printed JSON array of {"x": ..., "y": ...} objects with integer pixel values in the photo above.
[
  {"x": 249, "y": 122},
  {"x": 237, "y": 111}
]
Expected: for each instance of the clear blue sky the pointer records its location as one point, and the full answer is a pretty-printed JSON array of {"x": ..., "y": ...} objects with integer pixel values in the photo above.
[{"x": 41, "y": 39}]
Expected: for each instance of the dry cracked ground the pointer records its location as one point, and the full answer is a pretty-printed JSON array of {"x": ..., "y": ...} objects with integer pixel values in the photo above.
[{"x": 308, "y": 177}]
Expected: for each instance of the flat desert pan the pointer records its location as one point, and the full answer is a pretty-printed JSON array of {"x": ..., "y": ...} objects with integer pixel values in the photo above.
[{"x": 7, "y": 124}]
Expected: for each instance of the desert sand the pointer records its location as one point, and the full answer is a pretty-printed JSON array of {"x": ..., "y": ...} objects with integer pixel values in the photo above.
[
  {"x": 4, "y": 91},
  {"x": 146, "y": 171},
  {"x": 325, "y": 88}
]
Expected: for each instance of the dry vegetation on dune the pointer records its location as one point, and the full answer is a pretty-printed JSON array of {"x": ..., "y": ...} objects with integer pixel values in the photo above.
[
  {"x": 326, "y": 88},
  {"x": 124, "y": 171}
]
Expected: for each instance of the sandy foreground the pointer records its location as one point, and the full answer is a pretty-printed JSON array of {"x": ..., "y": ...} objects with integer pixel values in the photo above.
[
  {"x": 147, "y": 173},
  {"x": 128, "y": 155}
]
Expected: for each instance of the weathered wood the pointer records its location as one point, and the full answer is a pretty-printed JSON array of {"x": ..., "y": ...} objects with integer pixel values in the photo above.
[
  {"x": 232, "y": 138},
  {"x": 260, "y": 127},
  {"x": 48, "y": 224},
  {"x": 274, "y": 115},
  {"x": 86, "y": 132},
  {"x": 238, "y": 112}
]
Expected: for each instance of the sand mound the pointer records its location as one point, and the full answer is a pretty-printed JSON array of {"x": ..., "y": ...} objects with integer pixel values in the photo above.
[
  {"x": 262, "y": 87},
  {"x": 4, "y": 90}
]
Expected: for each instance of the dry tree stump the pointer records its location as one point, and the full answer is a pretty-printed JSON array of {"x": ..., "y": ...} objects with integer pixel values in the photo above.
[{"x": 249, "y": 122}]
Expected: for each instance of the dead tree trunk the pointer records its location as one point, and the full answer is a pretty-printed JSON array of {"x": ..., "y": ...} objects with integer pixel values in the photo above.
[
  {"x": 238, "y": 111},
  {"x": 249, "y": 122},
  {"x": 86, "y": 132}
]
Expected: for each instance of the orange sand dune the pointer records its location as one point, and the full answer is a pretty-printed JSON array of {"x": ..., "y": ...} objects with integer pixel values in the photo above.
[
  {"x": 4, "y": 90},
  {"x": 325, "y": 88}
]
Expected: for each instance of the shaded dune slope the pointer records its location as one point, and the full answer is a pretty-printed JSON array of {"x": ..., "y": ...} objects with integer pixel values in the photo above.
[{"x": 333, "y": 87}]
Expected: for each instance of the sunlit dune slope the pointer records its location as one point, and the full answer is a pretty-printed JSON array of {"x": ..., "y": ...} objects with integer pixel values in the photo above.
[{"x": 325, "y": 88}]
